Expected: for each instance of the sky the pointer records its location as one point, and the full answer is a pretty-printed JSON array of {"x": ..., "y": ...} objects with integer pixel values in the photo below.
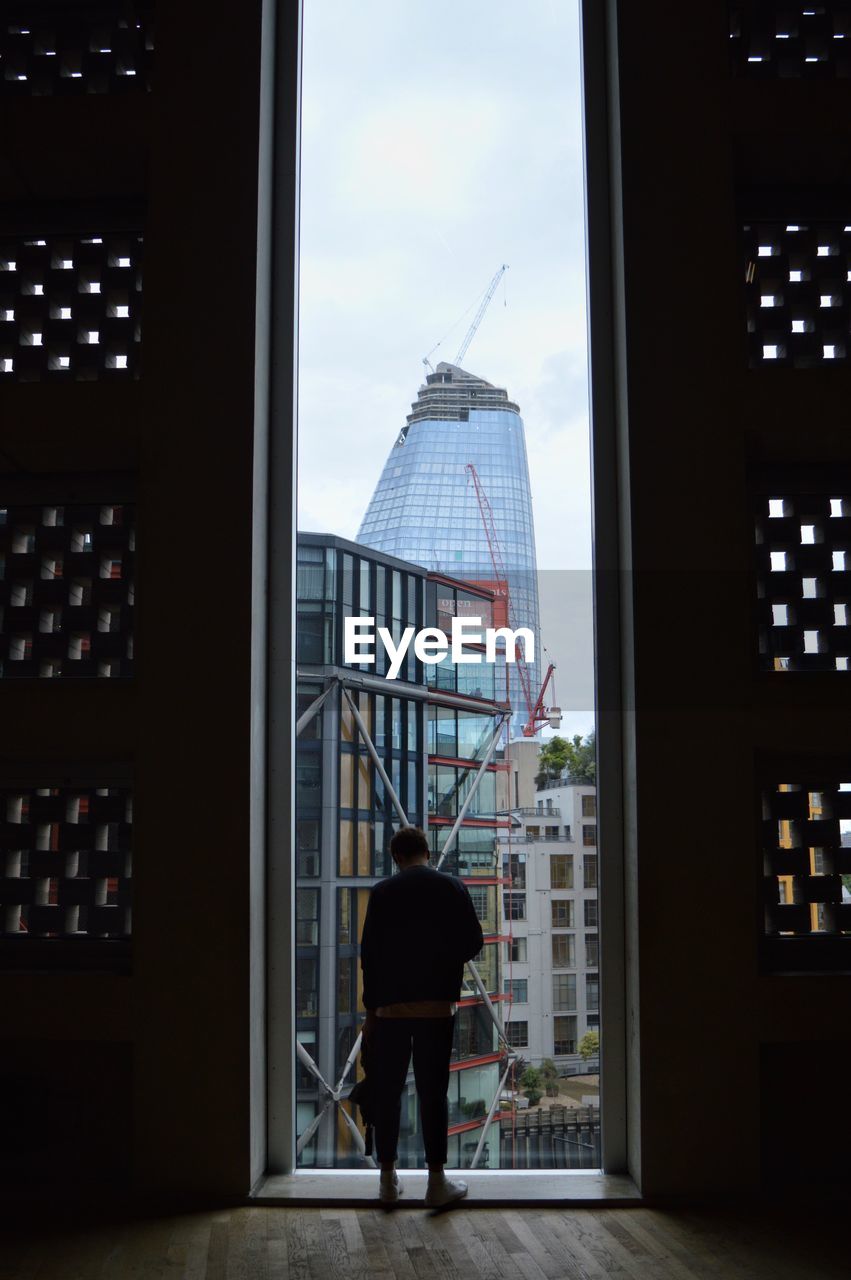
[{"x": 439, "y": 141}]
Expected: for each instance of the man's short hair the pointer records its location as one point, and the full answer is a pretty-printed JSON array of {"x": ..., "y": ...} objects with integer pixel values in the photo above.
[{"x": 409, "y": 842}]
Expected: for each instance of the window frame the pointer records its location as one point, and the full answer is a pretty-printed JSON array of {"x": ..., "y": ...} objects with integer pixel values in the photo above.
[
  {"x": 563, "y": 861},
  {"x": 272, "y": 895},
  {"x": 515, "y": 1026}
]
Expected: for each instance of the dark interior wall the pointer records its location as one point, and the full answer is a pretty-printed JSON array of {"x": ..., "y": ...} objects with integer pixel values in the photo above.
[
  {"x": 165, "y": 1048},
  {"x": 717, "y": 1035},
  {"x": 167, "y": 1044}
]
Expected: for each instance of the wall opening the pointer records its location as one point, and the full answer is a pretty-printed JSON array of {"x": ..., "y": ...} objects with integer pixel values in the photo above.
[{"x": 444, "y": 481}]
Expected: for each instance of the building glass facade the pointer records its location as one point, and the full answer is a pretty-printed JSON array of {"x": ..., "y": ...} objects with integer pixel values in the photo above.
[
  {"x": 431, "y": 740},
  {"x": 425, "y": 508}
]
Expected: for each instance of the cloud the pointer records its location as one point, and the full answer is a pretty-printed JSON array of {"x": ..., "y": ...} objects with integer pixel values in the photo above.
[
  {"x": 561, "y": 388},
  {"x": 417, "y": 155},
  {"x": 438, "y": 143}
]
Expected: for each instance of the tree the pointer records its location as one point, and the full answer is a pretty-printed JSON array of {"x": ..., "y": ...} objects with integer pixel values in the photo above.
[
  {"x": 520, "y": 1065},
  {"x": 589, "y": 1045},
  {"x": 531, "y": 1081},
  {"x": 553, "y": 757},
  {"x": 576, "y": 758},
  {"x": 549, "y": 1075}
]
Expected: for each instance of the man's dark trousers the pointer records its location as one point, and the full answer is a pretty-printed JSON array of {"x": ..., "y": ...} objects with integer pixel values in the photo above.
[{"x": 392, "y": 1041}]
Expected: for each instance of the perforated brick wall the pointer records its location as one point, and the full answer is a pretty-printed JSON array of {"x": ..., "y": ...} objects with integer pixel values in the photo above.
[
  {"x": 807, "y": 857},
  {"x": 49, "y": 48},
  {"x": 66, "y": 590},
  {"x": 70, "y": 306},
  {"x": 66, "y": 861},
  {"x": 789, "y": 41},
  {"x": 797, "y": 293},
  {"x": 803, "y": 555}
]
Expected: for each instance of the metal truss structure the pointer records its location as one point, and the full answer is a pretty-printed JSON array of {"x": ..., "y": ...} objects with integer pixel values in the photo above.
[{"x": 338, "y": 1093}]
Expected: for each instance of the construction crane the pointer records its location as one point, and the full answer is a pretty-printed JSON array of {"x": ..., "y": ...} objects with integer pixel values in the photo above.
[
  {"x": 541, "y": 714},
  {"x": 483, "y": 306},
  {"x": 538, "y": 714},
  {"x": 477, "y": 320}
]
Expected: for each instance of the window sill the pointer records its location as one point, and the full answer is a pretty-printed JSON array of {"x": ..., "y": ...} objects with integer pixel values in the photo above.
[{"x": 489, "y": 1188}]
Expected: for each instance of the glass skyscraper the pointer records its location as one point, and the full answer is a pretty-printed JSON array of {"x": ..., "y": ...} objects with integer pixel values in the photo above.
[{"x": 425, "y": 508}]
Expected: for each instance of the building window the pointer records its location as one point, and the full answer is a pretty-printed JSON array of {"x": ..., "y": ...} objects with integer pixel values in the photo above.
[
  {"x": 307, "y": 917},
  {"x": 484, "y": 898},
  {"x": 567, "y": 834},
  {"x": 564, "y": 1036},
  {"x": 514, "y": 905},
  {"x": 345, "y": 985},
  {"x": 479, "y": 897},
  {"x": 514, "y": 866},
  {"x": 304, "y": 1079},
  {"x": 410, "y": 728},
  {"x": 562, "y": 913},
  {"x": 564, "y": 992},
  {"x": 593, "y": 1021},
  {"x": 448, "y": 786},
  {"x": 589, "y": 806},
  {"x": 458, "y": 734},
  {"x": 308, "y": 780},
  {"x": 516, "y": 950},
  {"x": 592, "y": 992},
  {"x": 589, "y": 833},
  {"x": 351, "y": 912},
  {"x": 551, "y": 833},
  {"x": 592, "y": 951},
  {"x": 564, "y": 951},
  {"x": 589, "y": 871},
  {"x": 590, "y": 913},
  {"x": 518, "y": 989},
  {"x": 533, "y": 833},
  {"x": 307, "y": 840},
  {"x": 561, "y": 871},
  {"x": 306, "y": 979},
  {"x": 517, "y": 1034}
]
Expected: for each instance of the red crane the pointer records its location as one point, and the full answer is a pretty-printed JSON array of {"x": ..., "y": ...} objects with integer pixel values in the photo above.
[{"x": 538, "y": 714}]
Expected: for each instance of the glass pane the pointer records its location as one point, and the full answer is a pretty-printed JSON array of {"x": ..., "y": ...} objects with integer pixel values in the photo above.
[{"x": 444, "y": 539}]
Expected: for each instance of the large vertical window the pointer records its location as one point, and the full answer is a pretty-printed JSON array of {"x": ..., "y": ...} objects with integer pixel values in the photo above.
[
  {"x": 561, "y": 871},
  {"x": 443, "y": 456},
  {"x": 563, "y": 951}
]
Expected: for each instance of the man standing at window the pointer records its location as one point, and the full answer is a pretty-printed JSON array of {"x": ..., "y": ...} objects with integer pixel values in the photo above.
[{"x": 420, "y": 928}]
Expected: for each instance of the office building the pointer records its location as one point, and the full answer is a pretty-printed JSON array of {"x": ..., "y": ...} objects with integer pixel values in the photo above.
[
  {"x": 551, "y": 909},
  {"x": 431, "y": 728}
]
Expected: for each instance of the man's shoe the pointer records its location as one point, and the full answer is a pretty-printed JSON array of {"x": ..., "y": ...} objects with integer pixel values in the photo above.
[
  {"x": 444, "y": 1191},
  {"x": 389, "y": 1188}
]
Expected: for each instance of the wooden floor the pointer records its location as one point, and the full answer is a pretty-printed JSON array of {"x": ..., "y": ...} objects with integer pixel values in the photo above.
[{"x": 533, "y": 1244}]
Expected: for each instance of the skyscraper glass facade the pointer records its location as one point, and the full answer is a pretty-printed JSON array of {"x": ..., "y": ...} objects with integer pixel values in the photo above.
[{"x": 425, "y": 508}]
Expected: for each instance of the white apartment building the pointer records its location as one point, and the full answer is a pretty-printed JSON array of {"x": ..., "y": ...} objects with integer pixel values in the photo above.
[{"x": 550, "y": 909}]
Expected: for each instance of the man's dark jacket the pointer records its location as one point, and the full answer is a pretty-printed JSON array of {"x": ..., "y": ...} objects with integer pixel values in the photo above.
[{"x": 420, "y": 927}]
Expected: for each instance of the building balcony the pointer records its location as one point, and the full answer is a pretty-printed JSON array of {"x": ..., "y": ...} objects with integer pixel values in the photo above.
[{"x": 531, "y": 812}]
